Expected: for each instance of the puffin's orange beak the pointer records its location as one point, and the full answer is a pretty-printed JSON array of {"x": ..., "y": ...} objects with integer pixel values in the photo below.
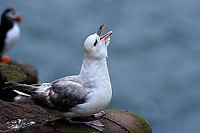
[{"x": 18, "y": 18}]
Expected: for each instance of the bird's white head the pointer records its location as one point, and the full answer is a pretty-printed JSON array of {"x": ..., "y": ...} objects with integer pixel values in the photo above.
[{"x": 95, "y": 46}]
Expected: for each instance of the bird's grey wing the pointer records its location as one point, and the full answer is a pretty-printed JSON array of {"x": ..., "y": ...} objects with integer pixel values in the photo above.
[
  {"x": 62, "y": 96},
  {"x": 67, "y": 78}
]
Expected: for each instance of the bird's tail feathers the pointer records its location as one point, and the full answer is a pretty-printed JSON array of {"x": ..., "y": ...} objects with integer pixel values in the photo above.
[
  {"x": 21, "y": 93},
  {"x": 21, "y": 89}
]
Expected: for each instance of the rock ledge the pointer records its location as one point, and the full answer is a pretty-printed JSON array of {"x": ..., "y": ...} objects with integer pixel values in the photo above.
[{"x": 25, "y": 117}]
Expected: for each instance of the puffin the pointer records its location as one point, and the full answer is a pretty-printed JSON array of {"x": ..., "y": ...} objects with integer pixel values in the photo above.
[
  {"x": 9, "y": 32},
  {"x": 82, "y": 95}
]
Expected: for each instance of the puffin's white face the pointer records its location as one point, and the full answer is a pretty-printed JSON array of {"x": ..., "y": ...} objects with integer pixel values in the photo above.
[
  {"x": 11, "y": 15},
  {"x": 96, "y": 47}
]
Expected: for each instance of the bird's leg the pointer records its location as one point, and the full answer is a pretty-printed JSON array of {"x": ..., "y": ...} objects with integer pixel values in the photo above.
[
  {"x": 96, "y": 124},
  {"x": 101, "y": 113},
  {"x": 5, "y": 59}
]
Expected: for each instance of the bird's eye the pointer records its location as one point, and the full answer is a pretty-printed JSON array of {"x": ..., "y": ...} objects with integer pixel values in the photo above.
[
  {"x": 95, "y": 43},
  {"x": 13, "y": 13}
]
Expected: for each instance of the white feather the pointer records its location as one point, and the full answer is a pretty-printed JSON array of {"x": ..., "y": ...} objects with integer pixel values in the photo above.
[
  {"x": 11, "y": 37},
  {"x": 21, "y": 93}
]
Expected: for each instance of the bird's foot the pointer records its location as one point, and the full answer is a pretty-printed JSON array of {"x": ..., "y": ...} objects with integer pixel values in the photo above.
[
  {"x": 5, "y": 59},
  {"x": 96, "y": 124},
  {"x": 101, "y": 113}
]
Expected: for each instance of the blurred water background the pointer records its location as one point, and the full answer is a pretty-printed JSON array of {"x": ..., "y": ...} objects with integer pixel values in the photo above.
[{"x": 154, "y": 55}]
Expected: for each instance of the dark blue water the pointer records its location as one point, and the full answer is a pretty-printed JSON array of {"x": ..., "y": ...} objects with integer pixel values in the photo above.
[{"x": 154, "y": 55}]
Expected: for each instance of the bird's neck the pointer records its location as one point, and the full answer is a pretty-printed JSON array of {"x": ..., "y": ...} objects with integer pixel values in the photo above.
[{"x": 94, "y": 71}]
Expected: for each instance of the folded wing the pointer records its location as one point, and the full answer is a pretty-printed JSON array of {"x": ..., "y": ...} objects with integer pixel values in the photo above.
[{"x": 62, "y": 96}]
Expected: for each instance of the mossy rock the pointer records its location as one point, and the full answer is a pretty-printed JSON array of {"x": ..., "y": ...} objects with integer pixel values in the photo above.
[
  {"x": 124, "y": 121},
  {"x": 25, "y": 110},
  {"x": 115, "y": 121},
  {"x": 16, "y": 71},
  {"x": 11, "y": 73},
  {"x": 29, "y": 70}
]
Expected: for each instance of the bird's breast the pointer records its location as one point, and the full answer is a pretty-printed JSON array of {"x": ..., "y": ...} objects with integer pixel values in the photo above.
[{"x": 11, "y": 37}]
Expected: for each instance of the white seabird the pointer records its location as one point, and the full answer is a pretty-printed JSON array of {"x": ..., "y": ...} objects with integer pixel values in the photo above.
[{"x": 81, "y": 95}]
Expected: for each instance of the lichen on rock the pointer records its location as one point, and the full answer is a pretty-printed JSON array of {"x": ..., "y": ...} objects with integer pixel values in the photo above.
[{"x": 11, "y": 73}]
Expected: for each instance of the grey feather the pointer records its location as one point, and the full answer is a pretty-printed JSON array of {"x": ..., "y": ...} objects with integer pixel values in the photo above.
[{"x": 63, "y": 95}]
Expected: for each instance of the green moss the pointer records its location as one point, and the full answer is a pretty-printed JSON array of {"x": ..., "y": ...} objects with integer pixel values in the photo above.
[
  {"x": 11, "y": 73},
  {"x": 142, "y": 126}
]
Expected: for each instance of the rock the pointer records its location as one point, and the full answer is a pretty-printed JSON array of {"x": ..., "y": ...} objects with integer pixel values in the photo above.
[
  {"x": 29, "y": 70},
  {"x": 25, "y": 117},
  {"x": 15, "y": 72},
  {"x": 9, "y": 73},
  {"x": 18, "y": 114}
]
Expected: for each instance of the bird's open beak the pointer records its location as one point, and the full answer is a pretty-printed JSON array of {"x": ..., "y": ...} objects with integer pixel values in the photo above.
[
  {"x": 18, "y": 18},
  {"x": 100, "y": 30},
  {"x": 106, "y": 36}
]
